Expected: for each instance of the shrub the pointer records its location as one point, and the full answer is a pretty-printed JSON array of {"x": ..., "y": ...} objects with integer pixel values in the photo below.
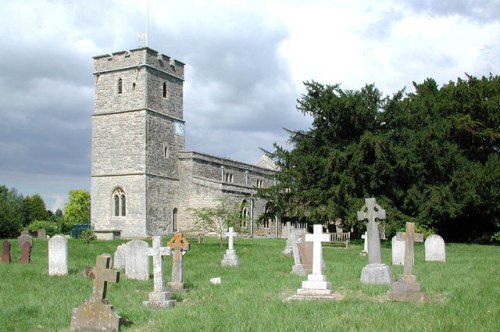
[
  {"x": 49, "y": 226},
  {"x": 88, "y": 236}
]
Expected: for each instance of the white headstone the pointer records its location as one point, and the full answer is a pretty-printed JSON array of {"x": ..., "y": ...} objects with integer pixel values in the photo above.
[
  {"x": 119, "y": 257},
  {"x": 365, "y": 246},
  {"x": 398, "y": 251},
  {"x": 58, "y": 256},
  {"x": 136, "y": 261},
  {"x": 434, "y": 249}
]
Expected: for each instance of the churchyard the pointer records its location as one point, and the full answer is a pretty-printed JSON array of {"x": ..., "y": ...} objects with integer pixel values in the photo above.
[{"x": 464, "y": 292}]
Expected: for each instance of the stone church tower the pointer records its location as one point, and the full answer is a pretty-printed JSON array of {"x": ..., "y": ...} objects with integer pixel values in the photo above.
[
  {"x": 144, "y": 182},
  {"x": 137, "y": 130}
]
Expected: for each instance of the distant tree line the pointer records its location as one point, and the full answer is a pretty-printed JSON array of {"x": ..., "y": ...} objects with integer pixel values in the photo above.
[
  {"x": 18, "y": 212},
  {"x": 431, "y": 157}
]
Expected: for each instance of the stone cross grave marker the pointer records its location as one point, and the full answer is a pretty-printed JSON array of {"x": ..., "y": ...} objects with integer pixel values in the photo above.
[
  {"x": 434, "y": 249},
  {"x": 230, "y": 258},
  {"x": 375, "y": 272},
  {"x": 179, "y": 246},
  {"x": 24, "y": 238},
  {"x": 6, "y": 251},
  {"x": 58, "y": 256},
  {"x": 398, "y": 250},
  {"x": 159, "y": 298},
  {"x": 25, "y": 253},
  {"x": 407, "y": 288},
  {"x": 316, "y": 284},
  {"x": 136, "y": 261},
  {"x": 96, "y": 313}
]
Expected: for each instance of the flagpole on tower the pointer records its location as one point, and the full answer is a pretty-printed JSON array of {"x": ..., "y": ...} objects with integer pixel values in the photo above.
[{"x": 147, "y": 23}]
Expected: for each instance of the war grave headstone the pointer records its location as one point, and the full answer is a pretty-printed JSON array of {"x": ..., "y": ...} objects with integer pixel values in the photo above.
[
  {"x": 398, "y": 250},
  {"x": 158, "y": 298},
  {"x": 407, "y": 288},
  {"x": 375, "y": 272},
  {"x": 119, "y": 256},
  {"x": 58, "y": 256},
  {"x": 23, "y": 238},
  {"x": 298, "y": 268},
  {"x": 6, "y": 252},
  {"x": 364, "y": 252},
  {"x": 95, "y": 313},
  {"x": 25, "y": 253},
  {"x": 230, "y": 258},
  {"x": 136, "y": 262},
  {"x": 316, "y": 287},
  {"x": 179, "y": 246},
  {"x": 434, "y": 249}
]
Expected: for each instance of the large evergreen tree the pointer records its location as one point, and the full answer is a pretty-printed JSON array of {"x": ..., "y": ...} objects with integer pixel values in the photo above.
[{"x": 431, "y": 156}]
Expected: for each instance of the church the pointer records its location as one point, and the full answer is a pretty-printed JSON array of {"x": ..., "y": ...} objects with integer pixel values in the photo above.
[{"x": 143, "y": 180}]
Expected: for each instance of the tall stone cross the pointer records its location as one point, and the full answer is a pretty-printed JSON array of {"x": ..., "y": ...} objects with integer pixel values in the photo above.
[
  {"x": 179, "y": 246},
  {"x": 372, "y": 211},
  {"x": 410, "y": 237},
  {"x": 230, "y": 235},
  {"x": 103, "y": 274},
  {"x": 317, "y": 238},
  {"x": 157, "y": 252}
]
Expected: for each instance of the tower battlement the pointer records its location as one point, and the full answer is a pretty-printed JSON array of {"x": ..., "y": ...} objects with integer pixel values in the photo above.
[{"x": 139, "y": 57}]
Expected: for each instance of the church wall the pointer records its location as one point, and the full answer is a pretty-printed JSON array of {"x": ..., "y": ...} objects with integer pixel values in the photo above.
[{"x": 161, "y": 200}]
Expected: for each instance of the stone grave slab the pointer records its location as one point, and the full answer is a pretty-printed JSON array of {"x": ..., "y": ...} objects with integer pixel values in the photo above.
[
  {"x": 119, "y": 256},
  {"x": 298, "y": 268},
  {"x": 435, "y": 249},
  {"x": 95, "y": 313},
  {"x": 6, "y": 251},
  {"x": 25, "y": 253},
  {"x": 179, "y": 246},
  {"x": 25, "y": 238},
  {"x": 58, "y": 255},
  {"x": 398, "y": 250},
  {"x": 136, "y": 261}
]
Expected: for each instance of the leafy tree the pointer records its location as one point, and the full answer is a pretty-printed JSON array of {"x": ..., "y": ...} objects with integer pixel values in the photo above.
[
  {"x": 36, "y": 208},
  {"x": 77, "y": 209},
  {"x": 11, "y": 212},
  {"x": 217, "y": 219},
  {"x": 431, "y": 156}
]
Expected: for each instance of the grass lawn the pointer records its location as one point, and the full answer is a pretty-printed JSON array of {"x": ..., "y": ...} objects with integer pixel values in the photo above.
[{"x": 465, "y": 291}]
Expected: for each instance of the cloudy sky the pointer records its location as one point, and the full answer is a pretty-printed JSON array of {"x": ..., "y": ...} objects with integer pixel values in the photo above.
[{"x": 246, "y": 61}]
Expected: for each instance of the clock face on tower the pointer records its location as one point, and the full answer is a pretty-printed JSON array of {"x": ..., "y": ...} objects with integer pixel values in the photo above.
[{"x": 179, "y": 128}]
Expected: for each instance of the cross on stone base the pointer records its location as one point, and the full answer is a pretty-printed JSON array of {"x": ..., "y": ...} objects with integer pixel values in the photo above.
[
  {"x": 159, "y": 298},
  {"x": 407, "y": 288},
  {"x": 179, "y": 246},
  {"x": 230, "y": 258}
]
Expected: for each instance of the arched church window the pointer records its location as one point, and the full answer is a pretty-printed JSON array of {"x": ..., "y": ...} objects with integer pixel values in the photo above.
[
  {"x": 120, "y": 202},
  {"x": 245, "y": 214},
  {"x": 120, "y": 85}
]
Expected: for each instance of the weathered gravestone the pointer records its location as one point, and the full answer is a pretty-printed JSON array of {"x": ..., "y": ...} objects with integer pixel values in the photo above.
[
  {"x": 230, "y": 258},
  {"x": 434, "y": 249},
  {"x": 136, "y": 261},
  {"x": 25, "y": 253},
  {"x": 298, "y": 268},
  {"x": 41, "y": 234},
  {"x": 398, "y": 250},
  {"x": 375, "y": 272},
  {"x": 179, "y": 246},
  {"x": 159, "y": 298},
  {"x": 6, "y": 251},
  {"x": 287, "y": 231},
  {"x": 407, "y": 288},
  {"x": 23, "y": 238},
  {"x": 58, "y": 256},
  {"x": 119, "y": 256},
  {"x": 316, "y": 286},
  {"x": 95, "y": 313},
  {"x": 365, "y": 245}
]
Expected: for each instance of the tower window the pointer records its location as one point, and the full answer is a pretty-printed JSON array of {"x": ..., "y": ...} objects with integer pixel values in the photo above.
[
  {"x": 164, "y": 90},
  {"x": 120, "y": 203},
  {"x": 120, "y": 85}
]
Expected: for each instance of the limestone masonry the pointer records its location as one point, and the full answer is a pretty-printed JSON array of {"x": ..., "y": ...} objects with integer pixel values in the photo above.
[{"x": 143, "y": 180}]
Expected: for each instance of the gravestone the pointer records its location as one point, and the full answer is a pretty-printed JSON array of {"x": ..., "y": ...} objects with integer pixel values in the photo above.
[
  {"x": 375, "y": 272},
  {"x": 119, "y": 256},
  {"x": 287, "y": 231},
  {"x": 25, "y": 253},
  {"x": 159, "y": 298},
  {"x": 6, "y": 251},
  {"x": 230, "y": 258},
  {"x": 95, "y": 313},
  {"x": 316, "y": 286},
  {"x": 179, "y": 246},
  {"x": 41, "y": 234},
  {"x": 298, "y": 268},
  {"x": 23, "y": 238},
  {"x": 58, "y": 256},
  {"x": 136, "y": 261},
  {"x": 407, "y": 288},
  {"x": 434, "y": 249},
  {"x": 365, "y": 245},
  {"x": 398, "y": 250}
]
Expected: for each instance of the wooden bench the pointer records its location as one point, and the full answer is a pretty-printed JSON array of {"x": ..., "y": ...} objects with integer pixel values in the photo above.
[{"x": 340, "y": 238}]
